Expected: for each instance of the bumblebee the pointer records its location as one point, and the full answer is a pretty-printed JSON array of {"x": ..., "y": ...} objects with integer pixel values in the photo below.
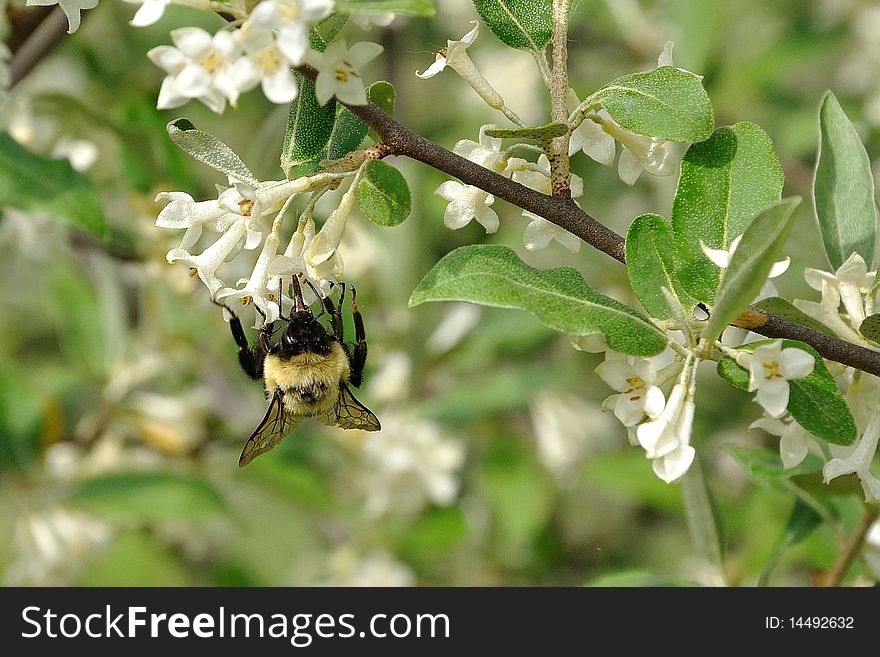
[{"x": 306, "y": 373}]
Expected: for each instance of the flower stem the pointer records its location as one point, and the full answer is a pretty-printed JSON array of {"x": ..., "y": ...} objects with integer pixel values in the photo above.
[
  {"x": 851, "y": 548},
  {"x": 560, "y": 176},
  {"x": 700, "y": 512},
  {"x": 42, "y": 41}
]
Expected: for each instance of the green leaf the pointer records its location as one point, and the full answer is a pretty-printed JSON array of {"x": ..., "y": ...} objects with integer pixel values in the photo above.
[
  {"x": 382, "y": 93},
  {"x": 787, "y": 310},
  {"x": 759, "y": 248},
  {"x": 349, "y": 131},
  {"x": 494, "y": 275},
  {"x": 540, "y": 133},
  {"x": 814, "y": 401},
  {"x": 724, "y": 181},
  {"x": 843, "y": 187},
  {"x": 801, "y": 522},
  {"x": 383, "y": 195},
  {"x": 667, "y": 103},
  {"x": 206, "y": 148},
  {"x": 147, "y": 496},
  {"x": 651, "y": 265},
  {"x": 870, "y": 328},
  {"x": 309, "y": 128},
  {"x": 51, "y": 186},
  {"x": 765, "y": 465},
  {"x": 523, "y": 24},
  {"x": 324, "y": 32},
  {"x": 422, "y": 8}
]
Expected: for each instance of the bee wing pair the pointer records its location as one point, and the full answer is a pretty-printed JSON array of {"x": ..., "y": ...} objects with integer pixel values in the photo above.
[{"x": 348, "y": 413}]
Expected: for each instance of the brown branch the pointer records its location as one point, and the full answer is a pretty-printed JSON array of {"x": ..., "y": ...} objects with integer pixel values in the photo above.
[
  {"x": 851, "y": 549},
  {"x": 566, "y": 214},
  {"x": 44, "y": 38}
]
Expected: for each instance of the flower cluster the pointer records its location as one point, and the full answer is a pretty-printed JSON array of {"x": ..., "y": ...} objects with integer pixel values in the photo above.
[
  {"x": 271, "y": 40},
  {"x": 771, "y": 367},
  {"x": 238, "y": 219},
  {"x": 661, "y": 425}
]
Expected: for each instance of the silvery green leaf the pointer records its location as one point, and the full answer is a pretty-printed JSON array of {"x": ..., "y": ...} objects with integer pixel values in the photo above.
[
  {"x": 494, "y": 275},
  {"x": 208, "y": 149},
  {"x": 843, "y": 187}
]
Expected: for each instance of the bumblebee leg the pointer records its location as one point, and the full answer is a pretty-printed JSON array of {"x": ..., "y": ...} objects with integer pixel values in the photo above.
[
  {"x": 359, "y": 357},
  {"x": 250, "y": 358},
  {"x": 336, "y": 316}
]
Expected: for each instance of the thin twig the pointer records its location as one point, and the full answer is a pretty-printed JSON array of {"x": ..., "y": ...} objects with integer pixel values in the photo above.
[
  {"x": 851, "y": 548},
  {"x": 42, "y": 41},
  {"x": 560, "y": 174}
]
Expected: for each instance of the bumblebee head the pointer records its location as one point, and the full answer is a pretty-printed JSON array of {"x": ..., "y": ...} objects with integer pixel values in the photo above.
[{"x": 303, "y": 333}]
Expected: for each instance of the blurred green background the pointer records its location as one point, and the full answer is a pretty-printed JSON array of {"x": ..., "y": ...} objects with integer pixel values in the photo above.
[{"x": 123, "y": 408}]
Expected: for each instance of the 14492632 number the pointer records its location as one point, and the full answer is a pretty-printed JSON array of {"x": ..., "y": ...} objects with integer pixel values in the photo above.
[{"x": 821, "y": 622}]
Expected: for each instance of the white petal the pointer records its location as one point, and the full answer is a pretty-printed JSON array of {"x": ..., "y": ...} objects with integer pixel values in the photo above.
[
  {"x": 674, "y": 465},
  {"x": 773, "y": 396},
  {"x": 449, "y": 190},
  {"x": 487, "y": 218},
  {"x": 629, "y": 167},
  {"x": 616, "y": 373},
  {"x": 438, "y": 65},
  {"x": 792, "y": 448},
  {"x": 149, "y": 12},
  {"x": 193, "y": 42},
  {"x": 720, "y": 257},
  {"x": 537, "y": 234},
  {"x": 325, "y": 87},
  {"x": 280, "y": 87},
  {"x": 363, "y": 52},
  {"x": 654, "y": 402},
  {"x": 168, "y": 58},
  {"x": 779, "y": 268},
  {"x": 293, "y": 42},
  {"x": 796, "y": 363},
  {"x": 665, "y": 58}
]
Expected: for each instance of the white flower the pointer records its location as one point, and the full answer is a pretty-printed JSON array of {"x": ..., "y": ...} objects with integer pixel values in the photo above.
[
  {"x": 71, "y": 9},
  {"x": 199, "y": 67},
  {"x": 666, "y": 440},
  {"x": 827, "y": 311},
  {"x": 81, "y": 153},
  {"x": 635, "y": 379},
  {"x": 349, "y": 568},
  {"x": 467, "y": 202},
  {"x": 794, "y": 440},
  {"x": 770, "y": 368},
  {"x": 289, "y": 18},
  {"x": 206, "y": 263},
  {"x": 852, "y": 282},
  {"x": 409, "y": 463},
  {"x": 487, "y": 152},
  {"x": 338, "y": 71},
  {"x": 458, "y": 320},
  {"x": 256, "y": 288},
  {"x": 265, "y": 64},
  {"x": 857, "y": 459},
  {"x": 589, "y": 136},
  {"x": 322, "y": 258},
  {"x": 52, "y": 544},
  {"x": 455, "y": 56},
  {"x": 151, "y": 11},
  {"x": 540, "y": 232}
]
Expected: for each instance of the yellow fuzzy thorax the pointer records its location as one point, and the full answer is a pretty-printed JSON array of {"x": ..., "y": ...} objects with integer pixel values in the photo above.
[{"x": 305, "y": 371}]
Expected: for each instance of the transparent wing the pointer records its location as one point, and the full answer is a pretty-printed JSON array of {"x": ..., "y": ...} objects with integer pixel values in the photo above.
[
  {"x": 275, "y": 426},
  {"x": 349, "y": 413}
]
